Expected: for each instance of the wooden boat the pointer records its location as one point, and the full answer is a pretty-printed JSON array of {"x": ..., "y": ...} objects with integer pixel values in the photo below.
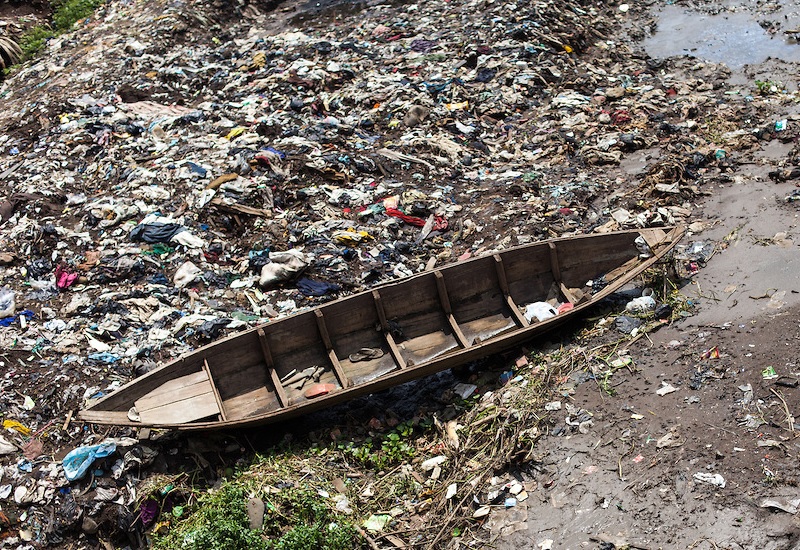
[{"x": 382, "y": 337}]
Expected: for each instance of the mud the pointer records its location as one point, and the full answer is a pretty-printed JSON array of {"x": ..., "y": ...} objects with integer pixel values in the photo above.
[{"x": 733, "y": 36}]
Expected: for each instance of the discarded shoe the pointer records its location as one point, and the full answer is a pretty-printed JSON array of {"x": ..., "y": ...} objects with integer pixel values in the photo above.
[{"x": 365, "y": 354}]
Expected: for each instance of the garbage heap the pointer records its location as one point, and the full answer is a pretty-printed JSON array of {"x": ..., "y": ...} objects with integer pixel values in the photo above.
[{"x": 174, "y": 171}]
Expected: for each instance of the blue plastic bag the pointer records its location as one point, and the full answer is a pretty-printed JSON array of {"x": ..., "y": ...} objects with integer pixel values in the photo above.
[{"x": 79, "y": 460}]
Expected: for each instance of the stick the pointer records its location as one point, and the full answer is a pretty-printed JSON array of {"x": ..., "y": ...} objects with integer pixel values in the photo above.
[
  {"x": 789, "y": 417},
  {"x": 369, "y": 540},
  {"x": 67, "y": 421}
]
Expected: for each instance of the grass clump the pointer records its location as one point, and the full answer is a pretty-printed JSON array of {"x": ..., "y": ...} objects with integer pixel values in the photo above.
[
  {"x": 33, "y": 41},
  {"x": 68, "y": 12},
  {"x": 296, "y": 518},
  {"x": 65, "y": 14},
  {"x": 219, "y": 522}
]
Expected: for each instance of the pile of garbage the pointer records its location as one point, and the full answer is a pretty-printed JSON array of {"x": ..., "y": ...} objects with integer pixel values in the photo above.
[{"x": 173, "y": 172}]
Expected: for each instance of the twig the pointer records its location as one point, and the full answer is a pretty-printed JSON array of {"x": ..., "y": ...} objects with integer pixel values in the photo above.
[
  {"x": 720, "y": 428},
  {"x": 789, "y": 417},
  {"x": 451, "y": 514},
  {"x": 369, "y": 539},
  {"x": 67, "y": 421},
  {"x": 619, "y": 461}
]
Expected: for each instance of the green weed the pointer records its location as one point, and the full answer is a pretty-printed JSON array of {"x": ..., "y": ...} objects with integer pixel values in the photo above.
[
  {"x": 767, "y": 87},
  {"x": 68, "y": 12},
  {"x": 65, "y": 14},
  {"x": 32, "y": 42},
  {"x": 295, "y": 519}
]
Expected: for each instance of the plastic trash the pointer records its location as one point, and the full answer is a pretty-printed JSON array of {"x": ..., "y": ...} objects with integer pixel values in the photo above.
[
  {"x": 540, "y": 311},
  {"x": 186, "y": 274},
  {"x": 6, "y": 447},
  {"x": 642, "y": 304},
  {"x": 712, "y": 479},
  {"x": 282, "y": 267},
  {"x": 7, "y": 303},
  {"x": 643, "y": 247},
  {"x": 626, "y": 324},
  {"x": 377, "y": 522},
  {"x": 79, "y": 460}
]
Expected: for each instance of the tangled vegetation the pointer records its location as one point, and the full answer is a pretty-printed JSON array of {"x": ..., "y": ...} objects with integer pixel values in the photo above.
[{"x": 295, "y": 518}]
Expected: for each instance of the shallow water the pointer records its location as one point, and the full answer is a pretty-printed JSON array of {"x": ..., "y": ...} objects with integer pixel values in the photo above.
[{"x": 735, "y": 39}]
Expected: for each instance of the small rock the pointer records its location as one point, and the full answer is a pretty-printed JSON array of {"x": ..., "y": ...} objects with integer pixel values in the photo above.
[
  {"x": 255, "y": 512},
  {"x": 415, "y": 115},
  {"x": 89, "y": 526}
]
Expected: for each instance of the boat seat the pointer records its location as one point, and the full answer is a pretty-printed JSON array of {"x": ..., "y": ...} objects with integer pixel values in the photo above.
[{"x": 178, "y": 401}]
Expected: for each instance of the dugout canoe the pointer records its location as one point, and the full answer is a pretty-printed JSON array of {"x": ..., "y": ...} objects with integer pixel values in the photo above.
[{"x": 383, "y": 337}]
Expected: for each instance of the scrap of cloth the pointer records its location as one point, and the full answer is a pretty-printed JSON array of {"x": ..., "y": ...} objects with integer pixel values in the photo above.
[
  {"x": 439, "y": 224},
  {"x": 310, "y": 287}
]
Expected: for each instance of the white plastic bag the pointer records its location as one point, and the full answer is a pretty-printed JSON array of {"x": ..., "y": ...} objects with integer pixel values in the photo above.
[
  {"x": 642, "y": 304},
  {"x": 7, "y": 303},
  {"x": 539, "y": 311}
]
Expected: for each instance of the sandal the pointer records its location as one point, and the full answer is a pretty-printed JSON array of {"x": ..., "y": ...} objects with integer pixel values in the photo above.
[{"x": 365, "y": 354}]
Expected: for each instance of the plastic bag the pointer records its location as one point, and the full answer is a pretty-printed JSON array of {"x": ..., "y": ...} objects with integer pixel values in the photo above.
[
  {"x": 282, "y": 267},
  {"x": 642, "y": 304},
  {"x": 539, "y": 311},
  {"x": 7, "y": 303},
  {"x": 79, "y": 460}
]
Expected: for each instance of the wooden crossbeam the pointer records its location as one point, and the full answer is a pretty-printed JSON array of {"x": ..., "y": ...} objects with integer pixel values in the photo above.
[{"x": 276, "y": 381}]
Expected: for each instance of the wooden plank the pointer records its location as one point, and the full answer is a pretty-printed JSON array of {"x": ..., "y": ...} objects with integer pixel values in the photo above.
[
  {"x": 381, "y": 312},
  {"x": 256, "y": 401},
  {"x": 326, "y": 339},
  {"x": 182, "y": 400},
  {"x": 183, "y": 411},
  {"x": 428, "y": 347},
  {"x": 567, "y": 293},
  {"x": 503, "y": 281},
  {"x": 653, "y": 237},
  {"x": 323, "y": 329},
  {"x": 393, "y": 349},
  {"x": 170, "y": 386},
  {"x": 441, "y": 287},
  {"x": 105, "y": 417},
  {"x": 214, "y": 388},
  {"x": 276, "y": 382},
  {"x": 486, "y": 328},
  {"x": 176, "y": 390},
  {"x": 624, "y": 268},
  {"x": 445, "y": 300},
  {"x": 555, "y": 267},
  {"x": 341, "y": 377}
]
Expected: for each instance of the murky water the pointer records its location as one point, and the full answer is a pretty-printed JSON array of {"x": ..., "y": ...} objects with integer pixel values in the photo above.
[{"x": 735, "y": 39}]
